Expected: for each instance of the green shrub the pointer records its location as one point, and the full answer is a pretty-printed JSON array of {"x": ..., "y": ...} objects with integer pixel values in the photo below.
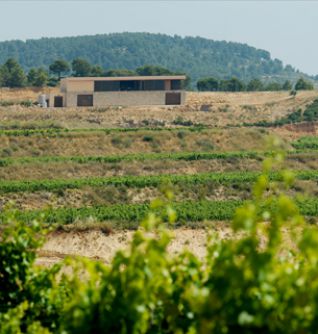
[
  {"x": 26, "y": 103},
  {"x": 122, "y": 142},
  {"x": 6, "y": 152},
  {"x": 205, "y": 144},
  {"x": 180, "y": 121},
  {"x": 181, "y": 134},
  {"x": 5, "y": 103},
  {"x": 302, "y": 84},
  {"x": 33, "y": 295},
  {"x": 311, "y": 112},
  {"x": 116, "y": 141},
  {"x": 148, "y": 138}
]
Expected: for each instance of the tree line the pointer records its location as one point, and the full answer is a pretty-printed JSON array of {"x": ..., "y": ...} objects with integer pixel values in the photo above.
[
  {"x": 12, "y": 75},
  {"x": 235, "y": 85}
]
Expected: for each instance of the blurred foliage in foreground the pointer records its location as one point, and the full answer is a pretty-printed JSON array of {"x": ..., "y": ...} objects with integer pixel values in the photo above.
[{"x": 263, "y": 281}]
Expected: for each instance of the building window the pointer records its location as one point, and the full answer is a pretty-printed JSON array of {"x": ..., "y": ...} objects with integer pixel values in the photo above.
[
  {"x": 154, "y": 85},
  {"x": 84, "y": 100},
  {"x": 175, "y": 84},
  {"x": 106, "y": 86},
  {"x": 130, "y": 85}
]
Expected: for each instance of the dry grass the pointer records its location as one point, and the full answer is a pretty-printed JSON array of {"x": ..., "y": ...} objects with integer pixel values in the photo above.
[
  {"x": 18, "y": 94},
  {"x": 107, "y": 195},
  {"x": 224, "y": 109},
  {"x": 100, "y": 143},
  {"x": 75, "y": 170},
  {"x": 151, "y": 167}
]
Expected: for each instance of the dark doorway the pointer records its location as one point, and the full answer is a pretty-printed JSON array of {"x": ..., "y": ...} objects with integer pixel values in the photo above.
[
  {"x": 173, "y": 98},
  {"x": 84, "y": 100},
  {"x": 58, "y": 101}
]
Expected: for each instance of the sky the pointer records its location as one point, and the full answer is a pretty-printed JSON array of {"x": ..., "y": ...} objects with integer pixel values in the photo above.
[{"x": 287, "y": 29}]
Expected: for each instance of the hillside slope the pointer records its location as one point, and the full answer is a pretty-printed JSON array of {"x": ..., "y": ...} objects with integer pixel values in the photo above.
[
  {"x": 196, "y": 56},
  {"x": 209, "y": 109},
  {"x": 92, "y": 172}
]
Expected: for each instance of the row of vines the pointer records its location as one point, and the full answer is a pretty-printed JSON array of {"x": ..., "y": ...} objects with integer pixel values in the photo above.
[
  {"x": 187, "y": 211},
  {"x": 145, "y": 181},
  {"x": 302, "y": 152}
]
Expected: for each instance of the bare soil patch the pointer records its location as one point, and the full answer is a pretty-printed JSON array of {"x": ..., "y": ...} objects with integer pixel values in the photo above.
[{"x": 98, "y": 245}]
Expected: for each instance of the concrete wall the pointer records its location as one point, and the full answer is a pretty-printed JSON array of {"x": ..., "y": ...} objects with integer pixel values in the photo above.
[
  {"x": 121, "y": 98},
  {"x": 167, "y": 84},
  {"x": 80, "y": 86},
  {"x": 129, "y": 98}
]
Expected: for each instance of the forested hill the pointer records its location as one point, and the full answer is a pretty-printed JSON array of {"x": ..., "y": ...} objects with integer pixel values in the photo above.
[{"x": 198, "y": 57}]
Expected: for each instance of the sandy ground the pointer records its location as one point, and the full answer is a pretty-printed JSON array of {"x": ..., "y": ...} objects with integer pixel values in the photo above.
[{"x": 98, "y": 245}]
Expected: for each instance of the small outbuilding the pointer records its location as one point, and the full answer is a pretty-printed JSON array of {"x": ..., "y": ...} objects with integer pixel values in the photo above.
[{"x": 125, "y": 91}]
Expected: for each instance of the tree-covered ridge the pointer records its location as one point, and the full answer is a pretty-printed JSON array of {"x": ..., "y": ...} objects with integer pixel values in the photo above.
[{"x": 196, "y": 56}]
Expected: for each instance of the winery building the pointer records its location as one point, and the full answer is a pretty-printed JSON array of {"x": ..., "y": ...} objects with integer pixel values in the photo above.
[{"x": 124, "y": 91}]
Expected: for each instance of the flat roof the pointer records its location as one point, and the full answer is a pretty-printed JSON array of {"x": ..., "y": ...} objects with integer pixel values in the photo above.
[{"x": 157, "y": 77}]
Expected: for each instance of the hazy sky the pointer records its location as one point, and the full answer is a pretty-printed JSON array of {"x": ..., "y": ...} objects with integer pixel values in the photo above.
[{"x": 288, "y": 29}]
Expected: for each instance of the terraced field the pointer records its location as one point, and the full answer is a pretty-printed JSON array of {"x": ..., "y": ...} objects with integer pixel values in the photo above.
[
  {"x": 57, "y": 163},
  {"x": 210, "y": 173}
]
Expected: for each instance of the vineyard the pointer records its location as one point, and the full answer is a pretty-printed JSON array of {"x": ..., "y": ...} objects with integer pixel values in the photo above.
[
  {"x": 130, "y": 215},
  {"x": 226, "y": 179},
  {"x": 99, "y": 179},
  {"x": 74, "y": 172}
]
